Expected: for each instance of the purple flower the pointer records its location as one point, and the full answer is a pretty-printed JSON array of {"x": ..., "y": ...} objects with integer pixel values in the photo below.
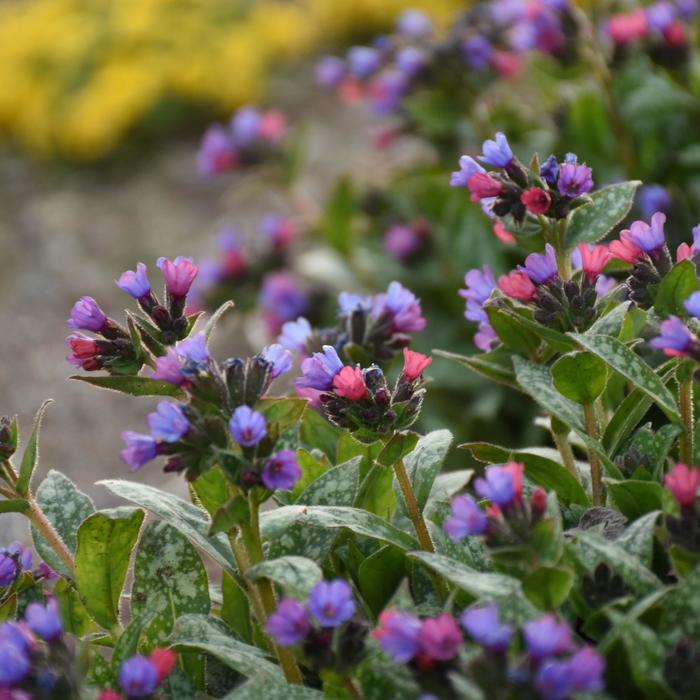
[
  {"x": 402, "y": 242},
  {"x": 14, "y": 559},
  {"x": 87, "y": 315},
  {"x": 485, "y": 338},
  {"x": 546, "y": 637},
  {"x": 363, "y": 61},
  {"x": 549, "y": 170},
  {"x": 168, "y": 422},
  {"x": 279, "y": 357},
  {"x": 169, "y": 368},
  {"x": 320, "y": 369},
  {"x": 574, "y": 180},
  {"x": 135, "y": 283},
  {"x": 44, "y": 621},
  {"x": 349, "y": 302},
  {"x": 245, "y": 126},
  {"x": 498, "y": 486},
  {"x": 586, "y": 668},
  {"x": 541, "y": 268},
  {"x": 467, "y": 167},
  {"x": 604, "y": 285},
  {"x": 480, "y": 284},
  {"x": 687, "y": 9},
  {"x": 281, "y": 471},
  {"x": 138, "y": 677},
  {"x": 282, "y": 296},
  {"x": 466, "y": 519},
  {"x": 402, "y": 306},
  {"x": 414, "y": 24},
  {"x": 331, "y": 602},
  {"x": 8, "y": 569},
  {"x": 329, "y": 71},
  {"x": 653, "y": 198},
  {"x": 295, "y": 334},
  {"x": 440, "y": 637},
  {"x": 398, "y": 635},
  {"x": 194, "y": 349},
  {"x": 649, "y": 238},
  {"x": 692, "y": 304},
  {"x": 217, "y": 153},
  {"x": 409, "y": 60},
  {"x": 552, "y": 680},
  {"x": 15, "y": 663},
  {"x": 675, "y": 338},
  {"x": 477, "y": 52},
  {"x": 289, "y": 624},
  {"x": 660, "y": 15},
  {"x": 279, "y": 230},
  {"x": 483, "y": 625},
  {"x": 139, "y": 449},
  {"x": 497, "y": 153},
  {"x": 387, "y": 89},
  {"x": 247, "y": 426},
  {"x": 179, "y": 274}
]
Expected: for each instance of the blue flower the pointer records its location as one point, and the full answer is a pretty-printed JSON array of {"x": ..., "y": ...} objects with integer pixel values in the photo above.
[
  {"x": 650, "y": 238},
  {"x": 477, "y": 51},
  {"x": 320, "y": 369},
  {"x": 135, "y": 283},
  {"x": 483, "y": 624},
  {"x": 331, "y": 602},
  {"x": 245, "y": 126},
  {"x": 247, "y": 426},
  {"x": 546, "y": 636},
  {"x": 138, "y": 677},
  {"x": 44, "y": 621},
  {"x": 574, "y": 180},
  {"x": 675, "y": 338},
  {"x": 281, "y": 471},
  {"x": 466, "y": 519},
  {"x": 289, "y": 624},
  {"x": 480, "y": 284},
  {"x": 87, "y": 315},
  {"x": 414, "y": 24},
  {"x": 403, "y": 308},
  {"x": 139, "y": 449},
  {"x": 295, "y": 334},
  {"x": 194, "y": 348},
  {"x": 692, "y": 304},
  {"x": 549, "y": 170},
  {"x": 498, "y": 152},
  {"x": 349, "y": 302},
  {"x": 15, "y": 663},
  {"x": 279, "y": 358},
  {"x": 363, "y": 61},
  {"x": 541, "y": 268},
  {"x": 398, "y": 634},
  {"x": 467, "y": 167},
  {"x": 168, "y": 422}
]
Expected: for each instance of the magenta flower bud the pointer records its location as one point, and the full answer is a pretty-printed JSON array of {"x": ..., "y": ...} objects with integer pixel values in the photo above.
[
  {"x": 86, "y": 315},
  {"x": 138, "y": 677},
  {"x": 289, "y": 624},
  {"x": 179, "y": 274},
  {"x": 139, "y": 449},
  {"x": 466, "y": 519},
  {"x": 168, "y": 422},
  {"x": 135, "y": 283},
  {"x": 683, "y": 482},
  {"x": 44, "y": 621},
  {"x": 331, "y": 602},
  {"x": 440, "y": 637},
  {"x": 397, "y": 635},
  {"x": 247, "y": 426}
]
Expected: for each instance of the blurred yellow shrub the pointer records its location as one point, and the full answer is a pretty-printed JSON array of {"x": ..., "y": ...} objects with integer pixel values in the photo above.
[{"x": 76, "y": 76}]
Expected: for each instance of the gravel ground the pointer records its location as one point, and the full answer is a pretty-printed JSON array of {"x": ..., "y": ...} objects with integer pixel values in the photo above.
[{"x": 64, "y": 233}]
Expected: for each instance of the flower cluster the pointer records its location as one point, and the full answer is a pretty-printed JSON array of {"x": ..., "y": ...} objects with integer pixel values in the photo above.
[
  {"x": 322, "y": 628},
  {"x": 139, "y": 676},
  {"x": 512, "y": 191},
  {"x": 360, "y": 399},
  {"x": 553, "y": 666},
  {"x": 251, "y": 136},
  {"x": 165, "y": 323}
]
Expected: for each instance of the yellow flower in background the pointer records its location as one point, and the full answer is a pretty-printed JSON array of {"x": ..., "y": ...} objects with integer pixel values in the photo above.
[{"x": 77, "y": 77}]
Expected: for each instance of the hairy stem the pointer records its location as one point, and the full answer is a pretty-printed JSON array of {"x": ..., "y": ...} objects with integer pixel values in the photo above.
[
  {"x": 566, "y": 453},
  {"x": 41, "y": 523},
  {"x": 414, "y": 511},
  {"x": 596, "y": 469},
  {"x": 353, "y": 691},
  {"x": 685, "y": 396}
]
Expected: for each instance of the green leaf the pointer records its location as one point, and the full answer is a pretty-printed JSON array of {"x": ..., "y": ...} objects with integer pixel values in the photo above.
[
  {"x": 423, "y": 465},
  {"x": 272, "y": 689},
  {"x": 380, "y": 575},
  {"x": 105, "y": 541},
  {"x": 638, "y": 538},
  {"x": 235, "y": 610},
  {"x": 8, "y": 608},
  {"x": 134, "y": 386},
  {"x": 336, "y": 224},
  {"x": 275, "y": 523},
  {"x": 169, "y": 581},
  {"x": 631, "y": 367},
  {"x": 284, "y": 412},
  {"x": 76, "y": 619},
  {"x": 503, "y": 590},
  {"x": 681, "y": 610},
  {"x": 548, "y": 587},
  {"x": 635, "y": 498},
  {"x": 211, "y": 489},
  {"x": 65, "y": 508},
  {"x": 539, "y": 469},
  {"x": 512, "y": 333},
  {"x": 675, "y": 288},
  {"x": 580, "y": 376},
  {"x": 399, "y": 445},
  {"x": 608, "y": 207},
  {"x": 216, "y": 317},
  {"x": 30, "y": 458},
  {"x": 296, "y": 575},
  {"x": 496, "y": 365},
  {"x": 14, "y": 505},
  {"x": 448, "y": 484},
  {"x": 311, "y": 469},
  {"x": 209, "y": 635},
  {"x": 520, "y": 316},
  {"x": 611, "y": 323},
  {"x": 317, "y": 432},
  {"x": 234, "y": 512},
  {"x": 191, "y": 521}
]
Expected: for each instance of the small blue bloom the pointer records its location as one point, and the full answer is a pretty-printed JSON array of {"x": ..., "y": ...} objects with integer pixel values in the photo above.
[
  {"x": 320, "y": 369},
  {"x": 467, "y": 167},
  {"x": 675, "y": 338},
  {"x": 139, "y": 449},
  {"x": 409, "y": 60},
  {"x": 136, "y": 283},
  {"x": 574, "y": 180},
  {"x": 15, "y": 663},
  {"x": 571, "y": 159},
  {"x": 44, "y": 621},
  {"x": 692, "y": 304},
  {"x": 498, "y": 152},
  {"x": 281, "y": 471},
  {"x": 289, "y": 624},
  {"x": 650, "y": 238},
  {"x": 14, "y": 559},
  {"x": 414, "y": 24},
  {"x": 247, "y": 426},
  {"x": 295, "y": 334},
  {"x": 349, "y": 302},
  {"x": 477, "y": 51},
  {"x": 549, "y": 170},
  {"x": 653, "y": 198},
  {"x": 331, "y": 602},
  {"x": 168, "y": 422},
  {"x": 245, "y": 125},
  {"x": 586, "y": 668},
  {"x": 661, "y": 15},
  {"x": 484, "y": 626},
  {"x": 363, "y": 61},
  {"x": 329, "y": 71},
  {"x": 541, "y": 268},
  {"x": 467, "y": 518},
  {"x": 279, "y": 358},
  {"x": 498, "y": 486},
  {"x": 546, "y": 636},
  {"x": 403, "y": 308},
  {"x": 485, "y": 338},
  {"x": 552, "y": 680},
  {"x": 138, "y": 677},
  {"x": 86, "y": 315},
  {"x": 398, "y": 635},
  {"x": 480, "y": 284},
  {"x": 194, "y": 349}
]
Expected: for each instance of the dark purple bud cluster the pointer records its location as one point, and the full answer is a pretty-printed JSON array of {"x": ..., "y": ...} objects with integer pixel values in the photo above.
[
  {"x": 682, "y": 669},
  {"x": 602, "y": 586}
]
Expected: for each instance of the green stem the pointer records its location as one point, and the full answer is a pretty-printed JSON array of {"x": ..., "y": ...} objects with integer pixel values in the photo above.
[
  {"x": 414, "y": 511},
  {"x": 353, "y": 691},
  {"x": 567, "y": 454},
  {"x": 40, "y": 522},
  {"x": 8, "y": 473},
  {"x": 596, "y": 469},
  {"x": 685, "y": 396}
]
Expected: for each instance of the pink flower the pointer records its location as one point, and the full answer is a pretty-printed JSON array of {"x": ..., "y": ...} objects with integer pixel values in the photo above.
[
  {"x": 273, "y": 126},
  {"x": 536, "y": 200},
  {"x": 179, "y": 274},
  {"x": 350, "y": 384},
  {"x": 440, "y": 638},
  {"x": 502, "y": 233},
  {"x": 594, "y": 258},
  {"x": 516, "y": 470},
  {"x": 683, "y": 481},
  {"x": 684, "y": 251},
  {"x": 414, "y": 363},
  {"x": 517, "y": 285},
  {"x": 506, "y": 63},
  {"x": 482, "y": 186},
  {"x": 164, "y": 660},
  {"x": 624, "y": 249},
  {"x": 627, "y": 27}
]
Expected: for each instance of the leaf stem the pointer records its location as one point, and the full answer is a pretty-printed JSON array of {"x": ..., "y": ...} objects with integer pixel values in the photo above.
[
  {"x": 353, "y": 691},
  {"x": 596, "y": 469},
  {"x": 414, "y": 511},
  {"x": 566, "y": 453},
  {"x": 685, "y": 397},
  {"x": 41, "y": 523}
]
